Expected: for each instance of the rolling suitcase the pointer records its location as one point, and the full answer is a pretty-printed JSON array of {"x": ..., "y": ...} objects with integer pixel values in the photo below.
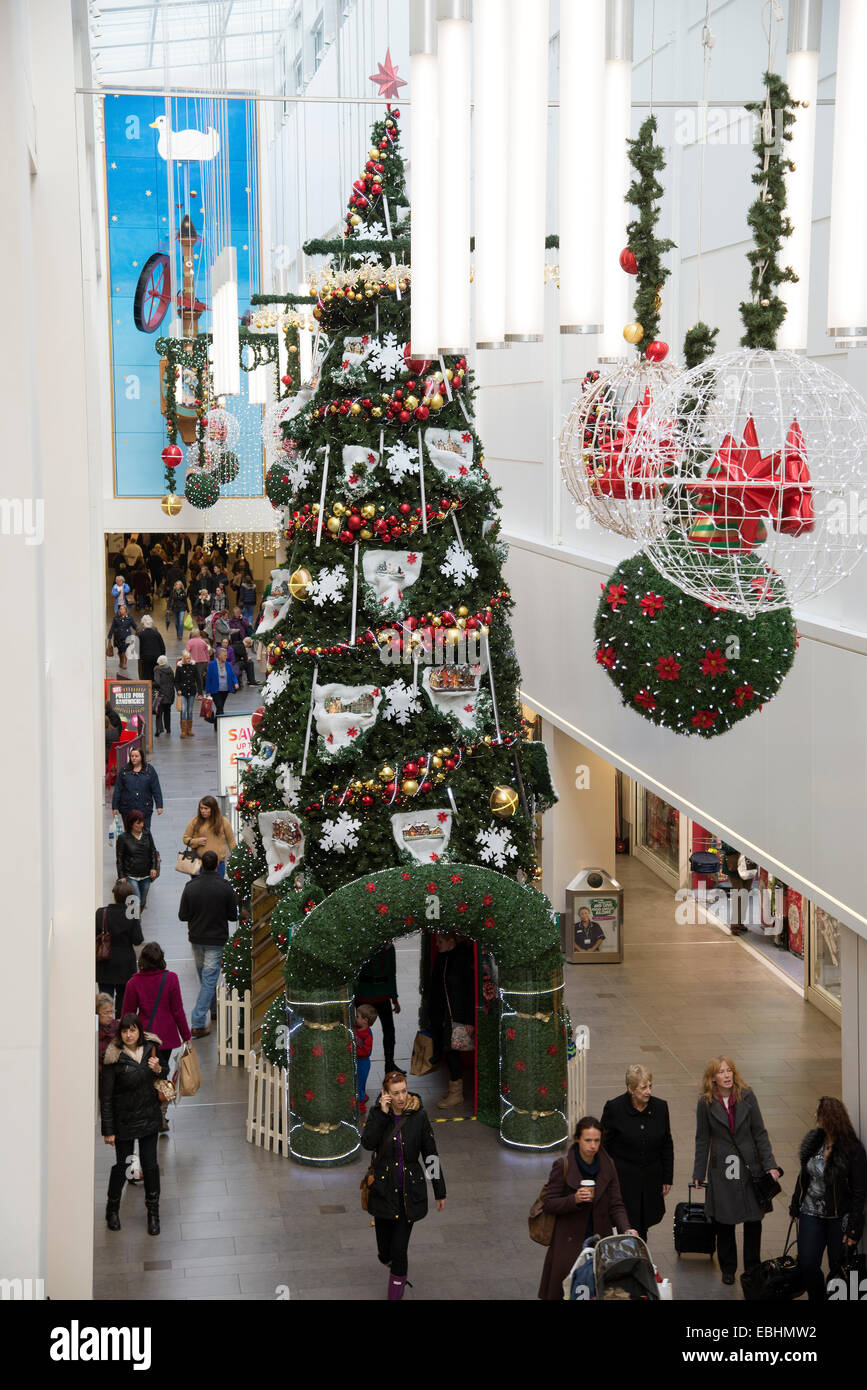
[{"x": 694, "y": 1232}]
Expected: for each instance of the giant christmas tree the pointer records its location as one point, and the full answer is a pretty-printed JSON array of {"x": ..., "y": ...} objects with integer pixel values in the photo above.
[{"x": 391, "y": 735}]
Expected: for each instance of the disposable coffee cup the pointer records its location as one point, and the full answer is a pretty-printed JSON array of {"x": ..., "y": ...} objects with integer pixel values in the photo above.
[{"x": 589, "y": 1182}]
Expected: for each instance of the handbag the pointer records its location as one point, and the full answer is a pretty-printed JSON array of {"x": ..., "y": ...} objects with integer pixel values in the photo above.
[
  {"x": 188, "y": 863},
  {"x": 422, "y": 1051},
  {"x": 462, "y": 1037},
  {"x": 103, "y": 940},
  {"x": 775, "y": 1281},
  {"x": 765, "y": 1188},
  {"x": 207, "y": 710},
  {"x": 189, "y": 1075},
  {"x": 540, "y": 1222},
  {"x": 179, "y": 704}
]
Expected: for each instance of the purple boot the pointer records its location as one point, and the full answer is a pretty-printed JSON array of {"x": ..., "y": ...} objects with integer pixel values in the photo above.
[{"x": 396, "y": 1286}]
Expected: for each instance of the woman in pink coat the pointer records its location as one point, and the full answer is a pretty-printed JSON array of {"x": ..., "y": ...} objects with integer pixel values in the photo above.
[{"x": 155, "y": 995}]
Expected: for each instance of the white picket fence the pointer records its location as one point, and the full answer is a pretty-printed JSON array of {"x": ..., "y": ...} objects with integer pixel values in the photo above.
[
  {"x": 234, "y": 1018},
  {"x": 576, "y": 1079},
  {"x": 267, "y": 1104}
]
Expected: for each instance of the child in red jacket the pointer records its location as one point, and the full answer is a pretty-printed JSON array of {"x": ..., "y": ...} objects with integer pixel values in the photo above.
[{"x": 365, "y": 1017}]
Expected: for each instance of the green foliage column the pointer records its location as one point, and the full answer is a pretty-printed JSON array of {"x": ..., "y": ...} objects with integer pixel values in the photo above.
[
  {"x": 533, "y": 1059},
  {"x": 322, "y": 1077}
]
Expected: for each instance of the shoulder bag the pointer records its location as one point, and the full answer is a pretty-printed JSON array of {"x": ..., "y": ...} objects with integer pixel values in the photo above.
[
  {"x": 462, "y": 1035},
  {"x": 188, "y": 863},
  {"x": 540, "y": 1222},
  {"x": 775, "y": 1281},
  {"x": 103, "y": 940},
  {"x": 164, "y": 1088}
]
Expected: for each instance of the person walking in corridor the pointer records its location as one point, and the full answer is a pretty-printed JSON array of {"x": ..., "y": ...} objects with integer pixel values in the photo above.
[
  {"x": 138, "y": 788},
  {"x": 164, "y": 685},
  {"x": 188, "y": 684},
  {"x": 637, "y": 1137},
  {"x": 828, "y": 1201},
  {"x": 207, "y": 905},
  {"x": 221, "y": 680},
  {"x": 130, "y": 1111},
  {"x": 399, "y": 1134},
  {"x": 150, "y": 648},
  {"x": 210, "y": 830},
  {"x": 731, "y": 1148}
]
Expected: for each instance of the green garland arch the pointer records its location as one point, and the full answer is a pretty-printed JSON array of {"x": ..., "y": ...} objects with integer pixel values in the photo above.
[{"x": 522, "y": 1039}]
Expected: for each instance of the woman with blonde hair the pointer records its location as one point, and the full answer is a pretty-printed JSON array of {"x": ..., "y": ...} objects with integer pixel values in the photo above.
[
  {"x": 732, "y": 1149},
  {"x": 637, "y": 1137}
]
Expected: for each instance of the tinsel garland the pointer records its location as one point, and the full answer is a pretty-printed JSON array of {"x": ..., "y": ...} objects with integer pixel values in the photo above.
[{"x": 684, "y": 664}]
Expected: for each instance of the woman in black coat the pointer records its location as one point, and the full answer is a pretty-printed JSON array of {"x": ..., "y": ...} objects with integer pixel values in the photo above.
[
  {"x": 399, "y": 1133},
  {"x": 130, "y": 1111},
  {"x": 829, "y": 1196},
  {"x": 164, "y": 685},
  {"x": 150, "y": 647},
  {"x": 451, "y": 1000},
  {"x": 125, "y": 929},
  {"x": 637, "y": 1136},
  {"x": 136, "y": 857}
]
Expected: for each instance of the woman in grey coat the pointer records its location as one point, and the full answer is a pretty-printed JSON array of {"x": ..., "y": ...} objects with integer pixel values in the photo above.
[
  {"x": 164, "y": 687},
  {"x": 730, "y": 1137}
]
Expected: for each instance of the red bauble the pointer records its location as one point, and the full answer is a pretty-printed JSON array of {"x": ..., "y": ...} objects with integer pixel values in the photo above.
[
  {"x": 367, "y": 801},
  {"x": 410, "y": 769},
  {"x": 404, "y": 509},
  {"x": 355, "y": 523},
  {"x": 405, "y": 417},
  {"x": 286, "y": 380},
  {"x": 359, "y": 185},
  {"x": 448, "y": 618},
  {"x": 657, "y": 351},
  {"x": 417, "y": 365},
  {"x": 172, "y": 455},
  {"x": 347, "y": 537},
  {"x": 389, "y": 789},
  {"x": 628, "y": 261},
  {"x": 396, "y": 533},
  {"x": 422, "y": 413},
  {"x": 362, "y": 203},
  {"x": 376, "y": 188},
  {"x": 258, "y": 716},
  {"x": 426, "y": 787}
]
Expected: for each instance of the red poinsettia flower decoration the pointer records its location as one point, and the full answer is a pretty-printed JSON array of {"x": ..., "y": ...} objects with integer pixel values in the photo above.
[
  {"x": 645, "y": 699},
  {"x": 668, "y": 669},
  {"x": 462, "y": 907},
  {"x": 487, "y": 900},
  {"x": 371, "y": 887},
  {"x": 456, "y": 878},
  {"x": 490, "y": 923},
  {"x": 341, "y": 1078},
  {"x": 309, "y": 1094},
  {"x": 317, "y": 1051},
  {"x": 431, "y": 887},
  {"x": 510, "y": 1034},
  {"x": 442, "y": 817},
  {"x": 713, "y": 663},
  {"x": 434, "y": 858},
  {"x": 651, "y": 604},
  {"x": 552, "y": 1050},
  {"x": 542, "y": 1090},
  {"x": 382, "y": 908},
  {"x": 616, "y": 595},
  {"x": 505, "y": 1088},
  {"x": 704, "y": 719},
  {"x": 406, "y": 877},
  {"x": 408, "y": 921},
  {"x": 520, "y": 1066},
  {"x": 742, "y": 694},
  {"x": 606, "y": 656}
]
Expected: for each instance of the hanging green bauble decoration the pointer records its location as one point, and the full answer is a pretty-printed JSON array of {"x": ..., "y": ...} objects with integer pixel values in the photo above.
[
  {"x": 279, "y": 487},
  {"x": 684, "y": 664},
  {"x": 201, "y": 490}
]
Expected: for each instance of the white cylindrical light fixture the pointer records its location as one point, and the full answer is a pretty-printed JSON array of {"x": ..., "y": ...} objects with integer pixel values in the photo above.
[
  {"x": 581, "y": 153},
  {"x": 257, "y": 386},
  {"x": 490, "y": 170},
  {"x": 802, "y": 76},
  {"x": 424, "y": 172},
  {"x": 847, "y": 269},
  {"x": 617, "y": 107},
  {"x": 525, "y": 215},
  {"x": 454, "y": 75}
]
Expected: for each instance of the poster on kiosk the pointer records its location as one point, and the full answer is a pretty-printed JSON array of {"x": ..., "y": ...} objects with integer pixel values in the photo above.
[
  {"x": 594, "y": 919},
  {"x": 234, "y": 741}
]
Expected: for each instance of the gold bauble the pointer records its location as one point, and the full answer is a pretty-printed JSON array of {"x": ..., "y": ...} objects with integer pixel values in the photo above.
[
  {"x": 385, "y": 399},
  {"x": 463, "y": 611},
  {"x": 373, "y": 153},
  {"x": 409, "y": 786},
  {"x": 355, "y": 220},
  {"x": 447, "y": 752},
  {"x": 171, "y": 504},
  {"x": 386, "y": 774},
  {"x": 453, "y": 636},
  {"x": 487, "y": 740},
  {"x": 376, "y": 412},
  {"x": 438, "y": 376},
  {"x": 355, "y": 408},
  {"x": 299, "y": 584},
  {"x": 338, "y": 509},
  {"x": 411, "y": 402},
  {"x": 333, "y": 525},
  {"x": 365, "y": 535},
  {"x": 357, "y": 785},
  {"x": 436, "y": 402},
  {"x": 369, "y": 510},
  {"x": 504, "y": 802},
  {"x": 633, "y": 333},
  {"x": 449, "y": 374},
  {"x": 436, "y": 762}
]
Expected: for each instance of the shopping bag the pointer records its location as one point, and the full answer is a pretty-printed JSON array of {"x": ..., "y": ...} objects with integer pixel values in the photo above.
[
  {"x": 188, "y": 622},
  {"x": 422, "y": 1051},
  {"x": 189, "y": 1076},
  {"x": 207, "y": 710}
]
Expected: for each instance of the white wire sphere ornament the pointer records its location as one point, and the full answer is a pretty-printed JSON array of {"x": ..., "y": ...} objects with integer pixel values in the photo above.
[
  {"x": 221, "y": 428},
  {"x": 277, "y": 446},
  {"x": 758, "y": 503},
  {"x": 597, "y": 458}
]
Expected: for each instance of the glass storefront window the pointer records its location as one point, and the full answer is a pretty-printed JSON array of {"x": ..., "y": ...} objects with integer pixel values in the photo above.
[
  {"x": 825, "y": 953},
  {"x": 659, "y": 826}
]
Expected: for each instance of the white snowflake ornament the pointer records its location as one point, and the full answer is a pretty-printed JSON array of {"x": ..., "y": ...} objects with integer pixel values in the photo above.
[
  {"x": 459, "y": 564},
  {"x": 497, "y": 845},
  {"x": 328, "y": 586},
  {"x": 402, "y": 460},
  {"x": 386, "y": 356},
  {"x": 401, "y": 702},
  {"x": 340, "y": 834}
]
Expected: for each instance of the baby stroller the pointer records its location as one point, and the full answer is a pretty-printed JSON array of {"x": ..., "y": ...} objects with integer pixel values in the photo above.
[{"x": 613, "y": 1267}]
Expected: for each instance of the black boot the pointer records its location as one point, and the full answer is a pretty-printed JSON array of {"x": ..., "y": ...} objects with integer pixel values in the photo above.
[
  {"x": 152, "y": 1199},
  {"x": 112, "y": 1220}
]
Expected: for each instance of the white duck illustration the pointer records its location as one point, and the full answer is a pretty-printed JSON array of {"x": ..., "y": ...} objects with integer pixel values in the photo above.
[{"x": 185, "y": 144}]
